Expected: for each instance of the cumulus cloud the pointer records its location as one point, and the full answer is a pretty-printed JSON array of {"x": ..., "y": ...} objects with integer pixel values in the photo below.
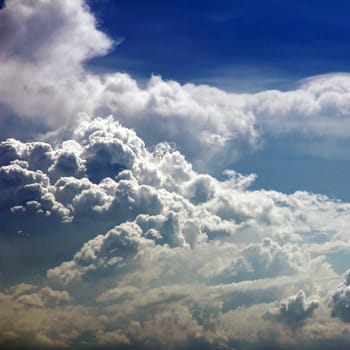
[
  {"x": 295, "y": 310},
  {"x": 142, "y": 234},
  {"x": 115, "y": 250},
  {"x": 340, "y": 300},
  {"x": 203, "y": 121},
  {"x": 43, "y": 46},
  {"x": 57, "y": 185}
]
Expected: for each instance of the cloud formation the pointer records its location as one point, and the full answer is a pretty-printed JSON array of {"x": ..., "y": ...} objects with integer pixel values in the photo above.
[
  {"x": 142, "y": 249},
  {"x": 295, "y": 310},
  {"x": 204, "y": 122},
  {"x": 110, "y": 235},
  {"x": 340, "y": 300}
]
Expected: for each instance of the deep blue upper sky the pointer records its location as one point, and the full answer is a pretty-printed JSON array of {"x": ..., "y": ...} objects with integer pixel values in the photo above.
[{"x": 227, "y": 43}]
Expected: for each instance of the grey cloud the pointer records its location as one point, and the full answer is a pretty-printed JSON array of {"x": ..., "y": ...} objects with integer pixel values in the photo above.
[
  {"x": 341, "y": 300},
  {"x": 37, "y": 296},
  {"x": 114, "y": 251},
  {"x": 176, "y": 315},
  {"x": 294, "y": 311},
  {"x": 263, "y": 260},
  {"x": 27, "y": 194},
  {"x": 66, "y": 164},
  {"x": 37, "y": 154},
  {"x": 44, "y": 297},
  {"x": 169, "y": 229},
  {"x": 15, "y": 176},
  {"x": 201, "y": 189}
]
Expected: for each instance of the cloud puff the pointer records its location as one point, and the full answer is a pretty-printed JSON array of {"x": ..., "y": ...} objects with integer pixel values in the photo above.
[
  {"x": 340, "y": 300},
  {"x": 113, "y": 251},
  {"x": 295, "y": 310},
  {"x": 36, "y": 38},
  {"x": 262, "y": 260}
]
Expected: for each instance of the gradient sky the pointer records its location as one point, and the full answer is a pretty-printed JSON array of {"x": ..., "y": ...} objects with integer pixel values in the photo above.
[{"x": 174, "y": 175}]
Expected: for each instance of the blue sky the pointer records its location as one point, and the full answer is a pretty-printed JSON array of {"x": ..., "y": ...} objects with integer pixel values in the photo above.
[
  {"x": 205, "y": 40},
  {"x": 241, "y": 46}
]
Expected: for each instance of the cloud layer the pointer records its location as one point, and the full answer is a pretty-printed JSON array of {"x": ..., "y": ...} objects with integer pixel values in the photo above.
[
  {"x": 111, "y": 236},
  {"x": 141, "y": 249}
]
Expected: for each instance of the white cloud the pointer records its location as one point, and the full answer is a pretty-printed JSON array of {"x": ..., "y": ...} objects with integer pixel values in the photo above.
[
  {"x": 203, "y": 121},
  {"x": 43, "y": 46}
]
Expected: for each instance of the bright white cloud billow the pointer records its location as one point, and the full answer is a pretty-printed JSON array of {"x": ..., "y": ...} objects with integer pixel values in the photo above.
[
  {"x": 109, "y": 235},
  {"x": 44, "y": 45}
]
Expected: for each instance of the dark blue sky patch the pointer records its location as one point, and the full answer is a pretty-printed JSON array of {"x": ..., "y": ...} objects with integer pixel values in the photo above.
[{"x": 185, "y": 40}]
